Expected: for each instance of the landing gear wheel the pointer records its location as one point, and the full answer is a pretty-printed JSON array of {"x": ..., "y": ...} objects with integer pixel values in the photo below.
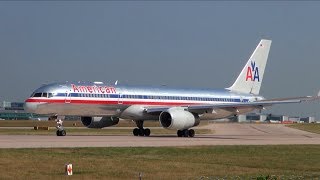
[
  {"x": 191, "y": 133},
  {"x": 63, "y": 133},
  {"x": 185, "y": 133},
  {"x": 141, "y": 132},
  {"x": 136, "y": 132},
  {"x": 147, "y": 132}
]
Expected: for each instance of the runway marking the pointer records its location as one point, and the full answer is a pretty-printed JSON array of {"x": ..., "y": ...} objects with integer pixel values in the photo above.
[{"x": 259, "y": 129}]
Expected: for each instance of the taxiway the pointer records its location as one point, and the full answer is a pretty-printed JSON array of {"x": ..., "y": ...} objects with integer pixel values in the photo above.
[{"x": 225, "y": 134}]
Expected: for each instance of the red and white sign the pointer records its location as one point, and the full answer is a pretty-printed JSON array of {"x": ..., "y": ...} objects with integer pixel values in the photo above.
[{"x": 68, "y": 169}]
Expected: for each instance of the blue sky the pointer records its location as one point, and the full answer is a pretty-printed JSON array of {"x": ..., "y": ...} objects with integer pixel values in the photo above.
[{"x": 180, "y": 44}]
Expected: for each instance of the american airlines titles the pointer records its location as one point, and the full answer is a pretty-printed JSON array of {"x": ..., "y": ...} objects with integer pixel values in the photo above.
[{"x": 94, "y": 89}]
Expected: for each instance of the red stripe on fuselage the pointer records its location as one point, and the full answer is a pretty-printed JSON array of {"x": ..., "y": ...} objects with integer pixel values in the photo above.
[{"x": 77, "y": 101}]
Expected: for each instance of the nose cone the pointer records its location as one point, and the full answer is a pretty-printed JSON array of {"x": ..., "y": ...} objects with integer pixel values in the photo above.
[{"x": 30, "y": 107}]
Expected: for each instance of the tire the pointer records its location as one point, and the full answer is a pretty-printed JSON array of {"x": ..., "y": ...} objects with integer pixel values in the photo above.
[
  {"x": 179, "y": 133},
  {"x": 185, "y": 133},
  {"x": 63, "y": 133},
  {"x": 141, "y": 132},
  {"x": 147, "y": 132},
  {"x": 191, "y": 133},
  {"x": 136, "y": 132},
  {"x": 58, "y": 133}
]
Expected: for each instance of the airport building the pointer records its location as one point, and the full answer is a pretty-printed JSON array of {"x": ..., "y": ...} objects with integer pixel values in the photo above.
[
  {"x": 14, "y": 111},
  {"x": 271, "y": 118}
]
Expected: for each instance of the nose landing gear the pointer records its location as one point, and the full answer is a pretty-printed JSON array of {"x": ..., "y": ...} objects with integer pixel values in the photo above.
[
  {"x": 60, "y": 129},
  {"x": 61, "y": 133}
]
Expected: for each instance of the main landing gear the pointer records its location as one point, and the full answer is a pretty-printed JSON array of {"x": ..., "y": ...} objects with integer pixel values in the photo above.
[
  {"x": 140, "y": 131},
  {"x": 186, "y": 133}
]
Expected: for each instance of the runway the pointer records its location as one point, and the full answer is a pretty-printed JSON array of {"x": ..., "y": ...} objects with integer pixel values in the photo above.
[{"x": 225, "y": 134}]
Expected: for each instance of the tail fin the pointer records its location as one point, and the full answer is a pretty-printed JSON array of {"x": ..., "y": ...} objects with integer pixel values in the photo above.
[{"x": 250, "y": 79}]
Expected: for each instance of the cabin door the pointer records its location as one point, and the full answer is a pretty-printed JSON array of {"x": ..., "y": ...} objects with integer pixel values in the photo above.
[
  {"x": 120, "y": 100},
  {"x": 68, "y": 97}
]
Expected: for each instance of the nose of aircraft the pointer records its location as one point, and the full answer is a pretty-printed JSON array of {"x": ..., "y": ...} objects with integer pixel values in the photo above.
[{"x": 30, "y": 107}]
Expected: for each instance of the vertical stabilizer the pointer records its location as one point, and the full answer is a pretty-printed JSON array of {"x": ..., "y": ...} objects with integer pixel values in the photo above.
[{"x": 250, "y": 79}]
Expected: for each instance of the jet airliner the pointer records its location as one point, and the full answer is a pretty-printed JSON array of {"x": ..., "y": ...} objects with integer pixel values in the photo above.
[{"x": 101, "y": 104}]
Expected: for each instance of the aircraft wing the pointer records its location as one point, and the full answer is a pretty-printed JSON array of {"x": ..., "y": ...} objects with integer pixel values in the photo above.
[{"x": 200, "y": 109}]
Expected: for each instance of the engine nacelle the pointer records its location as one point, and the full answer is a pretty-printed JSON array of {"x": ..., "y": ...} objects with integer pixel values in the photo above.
[
  {"x": 99, "y": 122},
  {"x": 178, "y": 118}
]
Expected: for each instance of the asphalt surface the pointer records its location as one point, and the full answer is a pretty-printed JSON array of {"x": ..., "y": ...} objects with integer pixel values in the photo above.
[{"x": 225, "y": 134}]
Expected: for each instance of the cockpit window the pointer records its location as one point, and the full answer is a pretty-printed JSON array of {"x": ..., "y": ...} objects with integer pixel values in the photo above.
[
  {"x": 42, "y": 95},
  {"x": 37, "y": 94}
]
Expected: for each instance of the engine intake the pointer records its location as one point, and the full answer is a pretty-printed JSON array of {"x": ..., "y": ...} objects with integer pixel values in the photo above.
[
  {"x": 99, "y": 122},
  {"x": 178, "y": 118}
]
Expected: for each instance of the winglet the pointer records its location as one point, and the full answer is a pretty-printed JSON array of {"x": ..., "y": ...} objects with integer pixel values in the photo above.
[{"x": 250, "y": 79}]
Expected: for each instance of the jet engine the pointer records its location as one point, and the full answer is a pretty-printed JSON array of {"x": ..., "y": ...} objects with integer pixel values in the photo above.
[
  {"x": 178, "y": 118},
  {"x": 99, "y": 122}
]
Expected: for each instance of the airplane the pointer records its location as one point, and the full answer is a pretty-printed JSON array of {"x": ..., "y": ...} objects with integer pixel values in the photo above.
[{"x": 102, "y": 104}]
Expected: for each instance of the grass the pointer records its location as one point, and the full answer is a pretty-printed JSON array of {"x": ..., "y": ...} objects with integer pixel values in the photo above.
[
  {"x": 71, "y": 127},
  {"x": 87, "y": 131},
  {"x": 207, "y": 162},
  {"x": 32, "y": 123},
  {"x": 312, "y": 127}
]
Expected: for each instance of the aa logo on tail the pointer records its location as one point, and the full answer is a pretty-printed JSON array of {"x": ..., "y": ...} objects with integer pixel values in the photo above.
[{"x": 252, "y": 72}]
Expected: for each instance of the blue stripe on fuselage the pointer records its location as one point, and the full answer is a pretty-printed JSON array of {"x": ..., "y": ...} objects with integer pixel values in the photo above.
[{"x": 129, "y": 96}]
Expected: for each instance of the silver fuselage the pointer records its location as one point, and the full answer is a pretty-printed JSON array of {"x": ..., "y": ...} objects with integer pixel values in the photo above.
[{"x": 100, "y": 99}]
